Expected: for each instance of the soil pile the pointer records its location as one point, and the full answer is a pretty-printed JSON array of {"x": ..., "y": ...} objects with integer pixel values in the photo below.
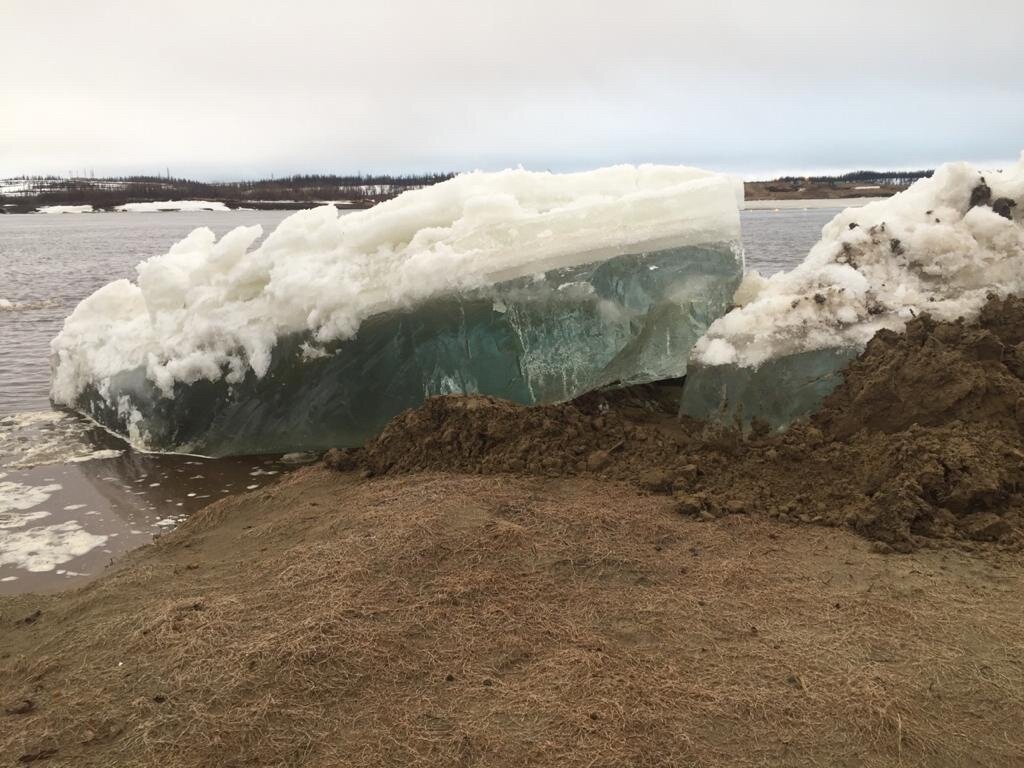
[
  {"x": 935, "y": 374},
  {"x": 920, "y": 445}
]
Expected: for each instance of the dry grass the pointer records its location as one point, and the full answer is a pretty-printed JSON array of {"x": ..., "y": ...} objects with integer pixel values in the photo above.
[{"x": 453, "y": 620}]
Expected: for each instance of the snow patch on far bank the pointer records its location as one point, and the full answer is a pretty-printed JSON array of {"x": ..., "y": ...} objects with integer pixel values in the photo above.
[
  {"x": 172, "y": 205},
  {"x": 64, "y": 209}
]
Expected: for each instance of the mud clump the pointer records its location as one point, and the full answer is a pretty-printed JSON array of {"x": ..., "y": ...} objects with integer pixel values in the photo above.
[
  {"x": 618, "y": 434},
  {"x": 934, "y": 374},
  {"x": 920, "y": 445}
]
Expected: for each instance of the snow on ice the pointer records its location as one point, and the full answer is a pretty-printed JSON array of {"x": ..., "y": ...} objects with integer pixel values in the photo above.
[
  {"x": 531, "y": 286},
  {"x": 939, "y": 247}
]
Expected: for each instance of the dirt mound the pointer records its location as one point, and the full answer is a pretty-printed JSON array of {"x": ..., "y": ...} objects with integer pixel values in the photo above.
[
  {"x": 920, "y": 444},
  {"x": 483, "y": 434},
  {"x": 934, "y": 374}
]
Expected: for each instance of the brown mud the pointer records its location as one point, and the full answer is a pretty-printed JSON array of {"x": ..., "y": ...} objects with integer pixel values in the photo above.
[{"x": 919, "y": 446}]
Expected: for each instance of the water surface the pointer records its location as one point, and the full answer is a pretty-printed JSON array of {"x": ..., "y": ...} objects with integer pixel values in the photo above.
[{"x": 72, "y": 496}]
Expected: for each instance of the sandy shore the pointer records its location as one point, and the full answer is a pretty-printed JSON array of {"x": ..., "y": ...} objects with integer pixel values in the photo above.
[{"x": 445, "y": 619}]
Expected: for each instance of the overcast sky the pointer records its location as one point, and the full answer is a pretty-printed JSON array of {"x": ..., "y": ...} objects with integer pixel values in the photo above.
[{"x": 221, "y": 90}]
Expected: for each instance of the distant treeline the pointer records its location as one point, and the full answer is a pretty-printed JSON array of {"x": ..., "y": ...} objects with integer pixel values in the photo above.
[
  {"x": 893, "y": 178},
  {"x": 118, "y": 190}
]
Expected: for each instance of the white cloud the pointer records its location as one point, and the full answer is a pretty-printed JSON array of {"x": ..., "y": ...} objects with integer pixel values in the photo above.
[{"x": 228, "y": 88}]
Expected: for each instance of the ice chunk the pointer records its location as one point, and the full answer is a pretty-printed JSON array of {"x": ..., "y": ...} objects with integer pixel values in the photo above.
[
  {"x": 939, "y": 247},
  {"x": 534, "y": 287},
  {"x": 777, "y": 391}
]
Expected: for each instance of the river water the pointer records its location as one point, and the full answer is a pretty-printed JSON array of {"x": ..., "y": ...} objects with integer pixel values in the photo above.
[{"x": 72, "y": 497}]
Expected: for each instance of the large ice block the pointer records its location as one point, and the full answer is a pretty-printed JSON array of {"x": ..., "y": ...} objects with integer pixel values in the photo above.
[
  {"x": 777, "y": 391},
  {"x": 606, "y": 281}
]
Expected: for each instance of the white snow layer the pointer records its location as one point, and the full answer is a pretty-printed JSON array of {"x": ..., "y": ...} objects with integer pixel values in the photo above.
[
  {"x": 64, "y": 209},
  {"x": 173, "y": 205},
  {"x": 922, "y": 250},
  {"x": 211, "y": 307}
]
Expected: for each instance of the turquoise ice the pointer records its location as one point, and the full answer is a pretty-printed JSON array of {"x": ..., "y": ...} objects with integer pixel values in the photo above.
[
  {"x": 778, "y": 391},
  {"x": 538, "y": 339}
]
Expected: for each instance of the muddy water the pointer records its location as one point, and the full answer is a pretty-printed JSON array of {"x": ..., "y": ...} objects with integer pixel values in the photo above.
[{"x": 72, "y": 497}]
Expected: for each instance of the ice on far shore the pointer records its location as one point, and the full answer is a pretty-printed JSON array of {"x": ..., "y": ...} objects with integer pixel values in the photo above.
[
  {"x": 534, "y": 287},
  {"x": 64, "y": 209},
  {"x": 939, "y": 248},
  {"x": 172, "y": 205}
]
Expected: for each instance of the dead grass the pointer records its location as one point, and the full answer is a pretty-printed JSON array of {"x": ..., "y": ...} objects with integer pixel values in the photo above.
[{"x": 452, "y": 620}]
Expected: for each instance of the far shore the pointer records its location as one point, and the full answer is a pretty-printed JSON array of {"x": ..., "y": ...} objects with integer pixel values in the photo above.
[
  {"x": 295, "y": 205},
  {"x": 800, "y": 203},
  {"x": 216, "y": 205}
]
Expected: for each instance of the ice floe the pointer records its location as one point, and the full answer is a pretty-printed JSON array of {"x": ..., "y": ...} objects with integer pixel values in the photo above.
[{"x": 531, "y": 286}]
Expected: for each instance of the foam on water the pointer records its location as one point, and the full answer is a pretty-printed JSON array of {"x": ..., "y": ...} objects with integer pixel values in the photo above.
[
  {"x": 43, "y": 548},
  {"x": 7, "y": 305},
  {"x": 16, "y": 496},
  {"x": 34, "y": 438}
]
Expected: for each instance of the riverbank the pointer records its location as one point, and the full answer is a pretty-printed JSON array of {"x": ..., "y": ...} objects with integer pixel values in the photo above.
[
  {"x": 27, "y": 193},
  {"x": 440, "y": 619},
  {"x": 801, "y": 203},
  {"x": 595, "y": 583},
  {"x": 66, "y": 196},
  {"x": 754, "y": 204},
  {"x": 837, "y": 191},
  {"x": 174, "y": 206}
]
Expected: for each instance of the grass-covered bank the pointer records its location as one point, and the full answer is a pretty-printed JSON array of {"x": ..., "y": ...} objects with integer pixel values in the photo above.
[{"x": 435, "y": 619}]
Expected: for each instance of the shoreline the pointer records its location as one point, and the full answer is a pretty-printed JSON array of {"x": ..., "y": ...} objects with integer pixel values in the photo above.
[
  {"x": 589, "y": 618},
  {"x": 231, "y": 205},
  {"x": 750, "y": 204},
  {"x": 808, "y": 203}
]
